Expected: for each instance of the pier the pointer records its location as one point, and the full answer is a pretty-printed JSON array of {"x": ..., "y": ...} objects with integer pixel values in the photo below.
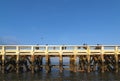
[{"x": 82, "y": 58}]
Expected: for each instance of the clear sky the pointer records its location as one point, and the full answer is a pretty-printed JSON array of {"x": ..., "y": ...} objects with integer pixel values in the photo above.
[{"x": 60, "y": 21}]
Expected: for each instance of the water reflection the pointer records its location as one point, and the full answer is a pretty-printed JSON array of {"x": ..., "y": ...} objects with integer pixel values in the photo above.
[{"x": 56, "y": 76}]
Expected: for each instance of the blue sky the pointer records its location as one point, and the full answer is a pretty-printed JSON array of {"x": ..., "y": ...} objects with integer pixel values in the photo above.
[{"x": 60, "y": 21}]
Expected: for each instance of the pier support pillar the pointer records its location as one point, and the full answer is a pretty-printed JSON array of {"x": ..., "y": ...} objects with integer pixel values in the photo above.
[
  {"x": 88, "y": 59},
  {"x": 48, "y": 69},
  {"x": 88, "y": 66},
  {"x": 32, "y": 65},
  {"x": 71, "y": 63},
  {"x": 79, "y": 64},
  {"x": 116, "y": 65},
  {"x": 61, "y": 60},
  {"x": 40, "y": 60},
  {"x": 3, "y": 58},
  {"x": 61, "y": 63},
  {"x": 82, "y": 62},
  {"x": 102, "y": 59},
  {"x": 75, "y": 65},
  {"x": 75, "y": 58},
  {"x": 116, "y": 59},
  {"x": 17, "y": 63},
  {"x": 17, "y": 59}
]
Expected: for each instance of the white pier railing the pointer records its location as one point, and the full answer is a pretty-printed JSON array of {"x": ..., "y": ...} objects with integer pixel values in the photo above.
[{"x": 56, "y": 49}]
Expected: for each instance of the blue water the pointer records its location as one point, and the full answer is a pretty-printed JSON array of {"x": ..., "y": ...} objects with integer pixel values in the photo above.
[{"x": 54, "y": 75}]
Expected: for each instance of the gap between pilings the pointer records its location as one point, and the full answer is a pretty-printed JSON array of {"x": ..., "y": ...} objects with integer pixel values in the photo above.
[{"x": 77, "y": 63}]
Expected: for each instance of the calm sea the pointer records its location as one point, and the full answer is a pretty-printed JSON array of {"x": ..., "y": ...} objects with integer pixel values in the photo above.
[
  {"x": 54, "y": 75},
  {"x": 65, "y": 76}
]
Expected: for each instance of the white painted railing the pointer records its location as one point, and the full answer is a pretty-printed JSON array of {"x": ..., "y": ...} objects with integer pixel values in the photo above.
[{"x": 80, "y": 49}]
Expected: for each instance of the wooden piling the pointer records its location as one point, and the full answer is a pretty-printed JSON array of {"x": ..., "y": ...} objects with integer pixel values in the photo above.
[
  {"x": 94, "y": 62},
  {"x": 47, "y": 61},
  {"x": 40, "y": 60},
  {"x": 32, "y": 63},
  {"x": 71, "y": 63},
  {"x": 116, "y": 59},
  {"x": 17, "y": 63},
  {"x": 88, "y": 59},
  {"x": 48, "y": 69},
  {"x": 3, "y": 58},
  {"x": 17, "y": 59},
  {"x": 75, "y": 63},
  {"x": 60, "y": 61},
  {"x": 32, "y": 59},
  {"x": 102, "y": 59},
  {"x": 75, "y": 58},
  {"x": 79, "y": 64},
  {"x": 82, "y": 62}
]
